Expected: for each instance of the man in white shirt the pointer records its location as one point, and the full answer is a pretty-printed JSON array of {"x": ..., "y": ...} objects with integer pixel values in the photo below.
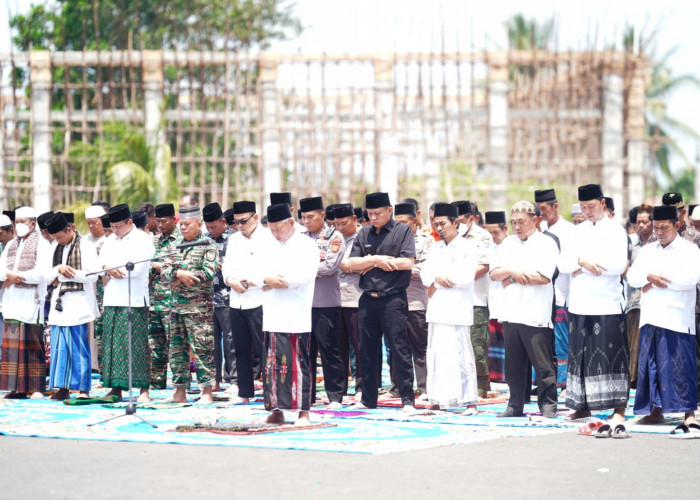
[
  {"x": 126, "y": 244},
  {"x": 546, "y": 200},
  {"x": 23, "y": 267},
  {"x": 73, "y": 308},
  {"x": 242, "y": 270},
  {"x": 291, "y": 263},
  {"x": 598, "y": 373},
  {"x": 449, "y": 273},
  {"x": 667, "y": 271},
  {"x": 525, "y": 263}
]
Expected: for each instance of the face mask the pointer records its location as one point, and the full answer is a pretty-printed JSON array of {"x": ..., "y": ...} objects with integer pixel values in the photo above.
[{"x": 22, "y": 230}]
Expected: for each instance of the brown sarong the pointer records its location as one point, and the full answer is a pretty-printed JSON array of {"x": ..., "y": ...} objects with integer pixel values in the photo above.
[{"x": 23, "y": 367}]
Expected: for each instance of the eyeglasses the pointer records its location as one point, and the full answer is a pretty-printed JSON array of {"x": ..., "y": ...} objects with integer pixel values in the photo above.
[{"x": 241, "y": 222}]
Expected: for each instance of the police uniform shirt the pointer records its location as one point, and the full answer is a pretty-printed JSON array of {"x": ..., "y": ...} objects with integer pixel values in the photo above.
[
  {"x": 395, "y": 239},
  {"x": 416, "y": 293},
  {"x": 331, "y": 248}
]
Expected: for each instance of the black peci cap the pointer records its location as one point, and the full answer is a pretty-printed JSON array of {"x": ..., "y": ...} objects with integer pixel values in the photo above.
[
  {"x": 56, "y": 222},
  {"x": 309, "y": 204},
  {"x": 377, "y": 200},
  {"x": 445, "y": 210},
  {"x": 590, "y": 192},
  {"x": 119, "y": 213},
  {"x": 278, "y": 212},
  {"x": 165, "y": 210},
  {"x": 495, "y": 218},
  {"x": 212, "y": 212}
]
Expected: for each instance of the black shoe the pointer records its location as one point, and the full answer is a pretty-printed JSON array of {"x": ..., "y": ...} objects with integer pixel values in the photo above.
[{"x": 510, "y": 412}]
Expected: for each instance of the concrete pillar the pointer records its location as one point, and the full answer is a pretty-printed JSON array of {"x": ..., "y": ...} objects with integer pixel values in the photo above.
[
  {"x": 637, "y": 146},
  {"x": 40, "y": 76},
  {"x": 613, "y": 139},
  {"x": 497, "y": 166},
  {"x": 386, "y": 141},
  {"x": 271, "y": 160},
  {"x": 432, "y": 170},
  {"x": 154, "y": 128}
]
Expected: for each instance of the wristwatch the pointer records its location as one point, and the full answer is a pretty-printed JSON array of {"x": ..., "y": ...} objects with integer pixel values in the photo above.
[{"x": 511, "y": 280}]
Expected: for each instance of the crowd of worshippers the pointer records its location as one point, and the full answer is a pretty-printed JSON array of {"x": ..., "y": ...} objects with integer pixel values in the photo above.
[{"x": 243, "y": 295}]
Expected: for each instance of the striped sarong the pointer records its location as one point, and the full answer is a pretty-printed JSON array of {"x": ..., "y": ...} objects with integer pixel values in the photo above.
[{"x": 71, "y": 362}]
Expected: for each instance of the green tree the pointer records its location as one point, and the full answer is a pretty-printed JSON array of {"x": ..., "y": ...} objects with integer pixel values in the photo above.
[{"x": 529, "y": 35}]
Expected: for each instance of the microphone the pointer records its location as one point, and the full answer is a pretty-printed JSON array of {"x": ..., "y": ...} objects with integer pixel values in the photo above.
[{"x": 192, "y": 244}]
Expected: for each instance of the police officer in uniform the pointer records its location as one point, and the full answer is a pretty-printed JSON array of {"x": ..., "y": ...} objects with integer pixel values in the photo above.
[
  {"x": 325, "y": 313},
  {"x": 384, "y": 253}
]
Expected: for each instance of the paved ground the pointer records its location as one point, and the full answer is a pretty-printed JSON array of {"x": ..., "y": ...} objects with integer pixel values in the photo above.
[{"x": 561, "y": 465}]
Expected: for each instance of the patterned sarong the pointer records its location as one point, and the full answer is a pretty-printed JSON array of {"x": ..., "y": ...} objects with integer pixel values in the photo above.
[
  {"x": 497, "y": 352},
  {"x": 287, "y": 373},
  {"x": 561, "y": 344},
  {"x": 115, "y": 348},
  {"x": 71, "y": 362},
  {"x": 667, "y": 372},
  {"x": 23, "y": 366},
  {"x": 598, "y": 373}
]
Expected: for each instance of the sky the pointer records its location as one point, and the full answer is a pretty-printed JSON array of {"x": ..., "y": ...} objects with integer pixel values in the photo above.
[{"x": 370, "y": 26}]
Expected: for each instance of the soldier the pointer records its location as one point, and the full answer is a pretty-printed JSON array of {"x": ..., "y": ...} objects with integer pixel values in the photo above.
[
  {"x": 160, "y": 294},
  {"x": 326, "y": 304},
  {"x": 191, "y": 279},
  {"x": 416, "y": 293},
  {"x": 218, "y": 231},
  {"x": 470, "y": 229}
]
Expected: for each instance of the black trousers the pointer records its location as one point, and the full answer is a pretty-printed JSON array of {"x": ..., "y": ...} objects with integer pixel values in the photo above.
[
  {"x": 418, "y": 338},
  {"x": 525, "y": 343},
  {"x": 223, "y": 346},
  {"x": 246, "y": 325},
  {"x": 325, "y": 339},
  {"x": 350, "y": 334},
  {"x": 387, "y": 315}
]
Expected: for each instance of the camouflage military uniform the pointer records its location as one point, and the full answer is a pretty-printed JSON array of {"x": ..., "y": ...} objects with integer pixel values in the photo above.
[
  {"x": 192, "y": 312},
  {"x": 159, "y": 311}
]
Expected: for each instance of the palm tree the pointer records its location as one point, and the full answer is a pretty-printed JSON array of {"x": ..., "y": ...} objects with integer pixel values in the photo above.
[{"x": 529, "y": 35}]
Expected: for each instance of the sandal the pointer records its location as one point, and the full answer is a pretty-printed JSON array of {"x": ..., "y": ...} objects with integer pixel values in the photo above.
[
  {"x": 590, "y": 428},
  {"x": 620, "y": 432},
  {"x": 690, "y": 431},
  {"x": 604, "y": 431}
]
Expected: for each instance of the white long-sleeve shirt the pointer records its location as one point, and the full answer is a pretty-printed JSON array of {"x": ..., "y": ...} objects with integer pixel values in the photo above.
[
  {"x": 78, "y": 307},
  {"x": 133, "y": 247},
  {"x": 27, "y": 304},
  {"x": 484, "y": 242},
  {"x": 562, "y": 230},
  {"x": 605, "y": 243},
  {"x": 288, "y": 310},
  {"x": 672, "y": 308},
  {"x": 244, "y": 261},
  {"x": 527, "y": 304},
  {"x": 456, "y": 262}
]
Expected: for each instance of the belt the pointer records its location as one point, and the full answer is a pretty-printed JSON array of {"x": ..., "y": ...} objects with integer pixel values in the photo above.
[{"x": 376, "y": 294}]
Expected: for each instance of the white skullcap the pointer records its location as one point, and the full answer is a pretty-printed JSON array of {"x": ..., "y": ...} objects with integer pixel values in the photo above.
[
  {"x": 5, "y": 220},
  {"x": 695, "y": 216},
  {"x": 94, "y": 211},
  {"x": 576, "y": 209},
  {"x": 25, "y": 213}
]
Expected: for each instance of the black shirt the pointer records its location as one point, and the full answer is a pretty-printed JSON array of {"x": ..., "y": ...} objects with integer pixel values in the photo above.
[{"x": 395, "y": 239}]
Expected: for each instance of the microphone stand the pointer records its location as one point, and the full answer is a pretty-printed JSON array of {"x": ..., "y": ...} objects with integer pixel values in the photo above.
[{"x": 131, "y": 406}]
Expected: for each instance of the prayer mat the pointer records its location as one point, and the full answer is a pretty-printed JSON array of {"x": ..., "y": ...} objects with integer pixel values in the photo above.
[
  {"x": 247, "y": 429},
  {"x": 90, "y": 401}
]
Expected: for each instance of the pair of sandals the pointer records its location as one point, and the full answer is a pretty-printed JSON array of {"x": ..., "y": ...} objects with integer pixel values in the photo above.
[
  {"x": 690, "y": 431},
  {"x": 601, "y": 429}
]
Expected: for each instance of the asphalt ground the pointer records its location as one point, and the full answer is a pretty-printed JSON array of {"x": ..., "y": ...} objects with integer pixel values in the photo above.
[{"x": 563, "y": 465}]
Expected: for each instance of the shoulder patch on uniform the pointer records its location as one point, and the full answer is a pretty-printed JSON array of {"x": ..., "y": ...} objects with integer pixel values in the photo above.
[
  {"x": 335, "y": 245},
  {"x": 210, "y": 254}
]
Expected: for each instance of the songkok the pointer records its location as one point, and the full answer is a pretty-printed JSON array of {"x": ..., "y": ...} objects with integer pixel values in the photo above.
[
  {"x": 94, "y": 211},
  {"x": 445, "y": 210},
  {"x": 119, "y": 213},
  {"x": 670, "y": 200},
  {"x": 463, "y": 207},
  {"x": 309, "y": 204},
  {"x": 25, "y": 213},
  {"x": 542, "y": 195},
  {"x": 165, "y": 210},
  {"x": 633, "y": 214},
  {"x": 405, "y": 209},
  {"x": 42, "y": 219},
  {"x": 344, "y": 210},
  {"x": 694, "y": 216},
  {"x": 212, "y": 212},
  {"x": 377, "y": 200},
  {"x": 244, "y": 207},
  {"x": 10, "y": 214},
  {"x": 330, "y": 212},
  {"x": 358, "y": 213},
  {"x": 495, "y": 218},
  {"x": 523, "y": 207},
  {"x": 277, "y": 198},
  {"x": 609, "y": 204},
  {"x": 299, "y": 214},
  {"x": 365, "y": 215},
  {"x": 278, "y": 212},
  {"x": 664, "y": 212},
  {"x": 228, "y": 215},
  {"x": 190, "y": 212},
  {"x": 590, "y": 192},
  {"x": 105, "y": 221},
  {"x": 56, "y": 222},
  {"x": 576, "y": 209},
  {"x": 5, "y": 220},
  {"x": 70, "y": 217},
  {"x": 140, "y": 219}
]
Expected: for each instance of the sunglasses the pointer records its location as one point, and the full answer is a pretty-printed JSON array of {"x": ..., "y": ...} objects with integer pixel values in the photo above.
[{"x": 241, "y": 222}]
